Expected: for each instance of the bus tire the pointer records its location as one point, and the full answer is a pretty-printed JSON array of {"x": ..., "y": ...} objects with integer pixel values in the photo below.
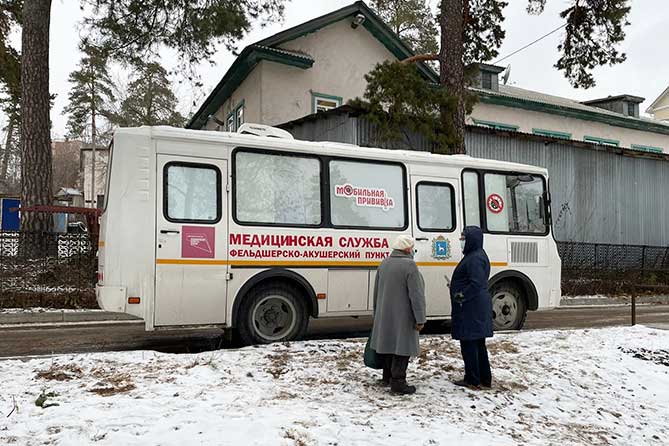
[
  {"x": 273, "y": 312},
  {"x": 509, "y": 306}
]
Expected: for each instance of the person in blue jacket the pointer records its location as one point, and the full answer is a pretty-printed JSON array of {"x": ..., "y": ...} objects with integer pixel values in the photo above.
[{"x": 471, "y": 309}]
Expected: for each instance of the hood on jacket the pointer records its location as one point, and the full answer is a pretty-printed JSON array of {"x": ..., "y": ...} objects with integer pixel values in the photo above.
[{"x": 473, "y": 239}]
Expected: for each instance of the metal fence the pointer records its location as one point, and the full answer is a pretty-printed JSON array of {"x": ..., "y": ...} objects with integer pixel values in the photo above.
[
  {"x": 597, "y": 268},
  {"x": 46, "y": 269},
  {"x": 613, "y": 258}
]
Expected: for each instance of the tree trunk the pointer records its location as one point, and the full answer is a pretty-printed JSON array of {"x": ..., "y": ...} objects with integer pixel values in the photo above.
[
  {"x": 452, "y": 71},
  {"x": 35, "y": 107},
  {"x": 93, "y": 142}
]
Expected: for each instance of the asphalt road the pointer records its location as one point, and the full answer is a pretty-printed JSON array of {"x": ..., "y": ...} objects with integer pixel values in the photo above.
[{"x": 25, "y": 341}]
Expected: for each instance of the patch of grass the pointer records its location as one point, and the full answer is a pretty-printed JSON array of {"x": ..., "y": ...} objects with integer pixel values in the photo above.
[
  {"x": 112, "y": 390},
  {"x": 59, "y": 372},
  {"x": 278, "y": 364},
  {"x": 41, "y": 400},
  {"x": 503, "y": 346}
]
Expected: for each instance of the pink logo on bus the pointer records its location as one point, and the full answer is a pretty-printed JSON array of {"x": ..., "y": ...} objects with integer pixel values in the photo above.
[{"x": 198, "y": 242}]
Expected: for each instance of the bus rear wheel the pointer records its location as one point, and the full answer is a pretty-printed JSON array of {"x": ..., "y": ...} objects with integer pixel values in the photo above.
[
  {"x": 509, "y": 307},
  {"x": 272, "y": 313}
]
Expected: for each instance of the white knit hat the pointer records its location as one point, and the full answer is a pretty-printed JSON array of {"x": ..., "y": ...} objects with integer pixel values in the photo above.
[{"x": 403, "y": 242}]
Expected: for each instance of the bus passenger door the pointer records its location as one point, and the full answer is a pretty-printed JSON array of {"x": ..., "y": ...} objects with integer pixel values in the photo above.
[
  {"x": 437, "y": 239},
  {"x": 191, "y": 241}
]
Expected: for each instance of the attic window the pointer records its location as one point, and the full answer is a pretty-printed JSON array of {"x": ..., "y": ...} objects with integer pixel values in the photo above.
[
  {"x": 486, "y": 80},
  {"x": 323, "y": 102},
  {"x": 631, "y": 109}
]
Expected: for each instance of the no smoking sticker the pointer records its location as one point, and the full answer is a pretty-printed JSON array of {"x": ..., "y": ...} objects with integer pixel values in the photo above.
[{"x": 495, "y": 203}]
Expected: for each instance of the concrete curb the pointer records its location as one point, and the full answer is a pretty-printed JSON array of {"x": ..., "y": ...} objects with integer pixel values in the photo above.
[
  {"x": 571, "y": 302},
  {"x": 64, "y": 317},
  {"x": 60, "y": 316}
]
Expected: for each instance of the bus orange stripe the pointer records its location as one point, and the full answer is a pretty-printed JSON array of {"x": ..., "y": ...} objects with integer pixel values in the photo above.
[{"x": 190, "y": 262}]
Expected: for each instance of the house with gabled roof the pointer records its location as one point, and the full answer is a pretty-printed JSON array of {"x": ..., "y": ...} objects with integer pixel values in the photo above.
[
  {"x": 660, "y": 107},
  {"x": 315, "y": 66},
  {"x": 320, "y": 65}
]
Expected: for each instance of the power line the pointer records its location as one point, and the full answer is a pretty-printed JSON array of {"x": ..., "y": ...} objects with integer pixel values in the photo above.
[{"x": 530, "y": 44}]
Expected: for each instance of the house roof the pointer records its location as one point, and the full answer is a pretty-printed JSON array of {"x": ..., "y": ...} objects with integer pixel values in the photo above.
[
  {"x": 535, "y": 101},
  {"x": 657, "y": 101},
  {"x": 267, "y": 49},
  {"x": 620, "y": 97}
]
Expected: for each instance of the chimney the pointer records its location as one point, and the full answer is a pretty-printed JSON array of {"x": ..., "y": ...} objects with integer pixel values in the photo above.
[
  {"x": 624, "y": 104},
  {"x": 484, "y": 76}
]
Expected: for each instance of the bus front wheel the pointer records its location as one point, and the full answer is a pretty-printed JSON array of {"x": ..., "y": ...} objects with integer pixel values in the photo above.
[
  {"x": 509, "y": 307},
  {"x": 272, "y": 313}
]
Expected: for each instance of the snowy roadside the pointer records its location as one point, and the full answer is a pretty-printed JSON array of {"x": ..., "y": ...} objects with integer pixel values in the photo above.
[
  {"x": 597, "y": 387},
  {"x": 38, "y": 310}
]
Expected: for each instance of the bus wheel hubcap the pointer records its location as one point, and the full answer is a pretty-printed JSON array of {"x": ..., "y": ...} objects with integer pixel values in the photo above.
[
  {"x": 274, "y": 317},
  {"x": 504, "y": 310}
]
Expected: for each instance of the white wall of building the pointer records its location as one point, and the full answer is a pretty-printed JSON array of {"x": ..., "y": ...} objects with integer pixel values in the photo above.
[
  {"x": 101, "y": 160},
  {"x": 528, "y": 120}
]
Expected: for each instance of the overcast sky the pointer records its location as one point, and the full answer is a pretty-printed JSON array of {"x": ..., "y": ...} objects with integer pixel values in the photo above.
[{"x": 643, "y": 74}]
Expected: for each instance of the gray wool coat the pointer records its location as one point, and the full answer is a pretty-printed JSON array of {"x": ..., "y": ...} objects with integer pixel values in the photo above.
[{"x": 399, "y": 304}]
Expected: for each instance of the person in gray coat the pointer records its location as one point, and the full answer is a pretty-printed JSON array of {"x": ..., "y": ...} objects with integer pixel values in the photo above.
[{"x": 399, "y": 313}]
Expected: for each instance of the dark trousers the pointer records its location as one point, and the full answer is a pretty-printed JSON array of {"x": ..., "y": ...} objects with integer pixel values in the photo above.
[
  {"x": 477, "y": 366},
  {"x": 395, "y": 367}
]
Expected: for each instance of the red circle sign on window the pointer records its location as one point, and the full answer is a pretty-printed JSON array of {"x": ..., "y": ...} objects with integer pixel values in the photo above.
[{"x": 495, "y": 203}]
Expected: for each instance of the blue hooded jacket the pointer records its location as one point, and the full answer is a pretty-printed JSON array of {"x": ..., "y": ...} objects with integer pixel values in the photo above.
[{"x": 471, "y": 306}]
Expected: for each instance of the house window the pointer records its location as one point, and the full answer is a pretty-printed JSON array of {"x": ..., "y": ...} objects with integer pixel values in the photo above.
[
  {"x": 631, "y": 109},
  {"x": 323, "y": 102},
  {"x": 486, "y": 80},
  {"x": 240, "y": 116},
  {"x": 552, "y": 133},
  {"x": 649, "y": 149},
  {"x": 497, "y": 125},
  {"x": 602, "y": 141},
  {"x": 235, "y": 118}
]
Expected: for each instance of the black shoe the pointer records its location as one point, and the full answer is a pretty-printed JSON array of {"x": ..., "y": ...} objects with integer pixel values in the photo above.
[
  {"x": 385, "y": 381},
  {"x": 401, "y": 387},
  {"x": 463, "y": 383},
  {"x": 486, "y": 385}
]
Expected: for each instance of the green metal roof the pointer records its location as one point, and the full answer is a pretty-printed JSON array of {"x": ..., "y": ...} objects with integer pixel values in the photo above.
[
  {"x": 515, "y": 97},
  {"x": 266, "y": 49}
]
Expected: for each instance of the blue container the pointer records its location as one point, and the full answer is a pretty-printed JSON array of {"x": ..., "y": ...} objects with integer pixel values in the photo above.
[{"x": 10, "y": 220}]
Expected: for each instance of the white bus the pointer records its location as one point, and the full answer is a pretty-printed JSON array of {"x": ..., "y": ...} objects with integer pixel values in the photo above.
[{"x": 260, "y": 233}]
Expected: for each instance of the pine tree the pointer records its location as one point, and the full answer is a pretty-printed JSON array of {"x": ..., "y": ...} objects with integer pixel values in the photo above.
[
  {"x": 90, "y": 94},
  {"x": 412, "y": 20},
  {"x": 149, "y": 100},
  {"x": 472, "y": 31},
  {"x": 128, "y": 30},
  {"x": 91, "y": 91}
]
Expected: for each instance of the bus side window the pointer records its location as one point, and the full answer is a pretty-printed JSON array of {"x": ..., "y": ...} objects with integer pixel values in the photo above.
[{"x": 470, "y": 181}]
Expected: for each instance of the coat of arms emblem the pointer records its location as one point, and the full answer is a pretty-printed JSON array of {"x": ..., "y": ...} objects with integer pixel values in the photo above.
[{"x": 441, "y": 248}]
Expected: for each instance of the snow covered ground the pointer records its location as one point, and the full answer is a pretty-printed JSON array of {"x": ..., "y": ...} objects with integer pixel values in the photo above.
[{"x": 583, "y": 387}]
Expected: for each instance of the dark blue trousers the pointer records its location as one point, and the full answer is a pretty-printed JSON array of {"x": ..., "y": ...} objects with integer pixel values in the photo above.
[{"x": 477, "y": 366}]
